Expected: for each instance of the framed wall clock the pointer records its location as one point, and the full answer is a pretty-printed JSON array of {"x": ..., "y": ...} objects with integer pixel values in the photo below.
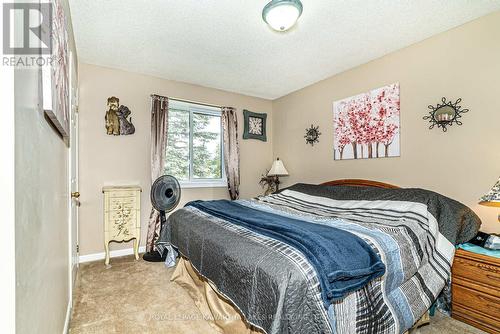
[{"x": 254, "y": 125}]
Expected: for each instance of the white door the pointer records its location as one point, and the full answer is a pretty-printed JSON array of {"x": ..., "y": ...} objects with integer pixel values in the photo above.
[
  {"x": 73, "y": 178},
  {"x": 75, "y": 202}
]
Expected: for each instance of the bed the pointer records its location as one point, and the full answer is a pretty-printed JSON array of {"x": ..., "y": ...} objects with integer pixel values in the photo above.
[{"x": 346, "y": 256}]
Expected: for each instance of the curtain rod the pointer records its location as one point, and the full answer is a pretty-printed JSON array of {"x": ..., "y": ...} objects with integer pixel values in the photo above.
[{"x": 188, "y": 101}]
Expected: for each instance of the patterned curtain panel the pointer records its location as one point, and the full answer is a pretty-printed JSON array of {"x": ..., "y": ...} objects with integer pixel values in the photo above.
[
  {"x": 159, "y": 126},
  {"x": 231, "y": 151}
]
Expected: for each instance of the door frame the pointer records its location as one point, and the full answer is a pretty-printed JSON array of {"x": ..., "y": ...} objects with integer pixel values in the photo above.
[{"x": 73, "y": 162}]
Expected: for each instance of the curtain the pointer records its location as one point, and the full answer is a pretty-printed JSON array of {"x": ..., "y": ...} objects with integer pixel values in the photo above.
[
  {"x": 159, "y": 126},
  {"x": 231, "y": 151}
]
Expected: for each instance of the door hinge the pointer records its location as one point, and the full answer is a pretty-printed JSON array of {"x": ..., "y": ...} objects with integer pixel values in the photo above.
[{"x": 78, "y": 248}]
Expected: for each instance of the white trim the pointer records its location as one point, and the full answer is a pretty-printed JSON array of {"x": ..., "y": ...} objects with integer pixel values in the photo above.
[
  {"x": 7, "y": 204},
  {"x": 203, "y": 184},
  {"x": 68, "y": 318},
  {"x": 115, "y": 253}
]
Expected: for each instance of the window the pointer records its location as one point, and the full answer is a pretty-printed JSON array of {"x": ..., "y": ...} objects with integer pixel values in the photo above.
[{"x": 194, "y": 145}]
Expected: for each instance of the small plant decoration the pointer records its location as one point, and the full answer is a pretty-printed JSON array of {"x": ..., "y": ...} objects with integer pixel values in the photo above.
[{"x": 268, "y": 183}]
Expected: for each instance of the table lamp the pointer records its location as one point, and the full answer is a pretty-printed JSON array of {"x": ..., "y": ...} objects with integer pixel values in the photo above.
[
  {"x": 277, "y": 170},
  {"x": 492, "y": 198}
]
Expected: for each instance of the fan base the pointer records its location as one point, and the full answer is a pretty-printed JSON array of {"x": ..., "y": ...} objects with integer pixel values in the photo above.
[{"x": 154, "y": 256}]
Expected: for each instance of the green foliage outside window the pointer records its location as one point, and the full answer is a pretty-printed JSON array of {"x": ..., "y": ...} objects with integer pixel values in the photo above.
[{"x": 202, "y": 146}]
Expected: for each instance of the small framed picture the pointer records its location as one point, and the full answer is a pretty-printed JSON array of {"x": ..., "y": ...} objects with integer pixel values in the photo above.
[{"x": 254, "y": 125}]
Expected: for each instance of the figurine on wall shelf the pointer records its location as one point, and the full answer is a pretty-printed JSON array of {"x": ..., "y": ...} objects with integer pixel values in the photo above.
[
  {"x": 126, "y": 126},
  {"x": 112, "y": 121},
  {"x": 116, "y": 118}
]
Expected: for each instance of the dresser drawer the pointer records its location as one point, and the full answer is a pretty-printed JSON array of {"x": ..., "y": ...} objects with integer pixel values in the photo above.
[
  {"x": 487, "y": 304},
  {"x": 120, "y": 203},
  {"x": 123, "y": 234},
  {"x": 121, "y": 218},
  {"x": 476, "y": 319},
  {"x": 122, "y": 193},
  {"x": 478, "y": 272}
]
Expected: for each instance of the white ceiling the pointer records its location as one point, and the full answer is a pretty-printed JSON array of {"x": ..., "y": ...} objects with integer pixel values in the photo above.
[{"x": 225, "y": 44}]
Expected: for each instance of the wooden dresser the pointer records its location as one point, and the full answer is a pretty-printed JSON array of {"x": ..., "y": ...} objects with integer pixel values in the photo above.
[
  {"x": 476, "y": 290},
  {"x": 122, "y": 216}
]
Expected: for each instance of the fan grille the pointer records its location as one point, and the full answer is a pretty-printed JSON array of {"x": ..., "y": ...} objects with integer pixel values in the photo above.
[{"x": 165, "y": 193}]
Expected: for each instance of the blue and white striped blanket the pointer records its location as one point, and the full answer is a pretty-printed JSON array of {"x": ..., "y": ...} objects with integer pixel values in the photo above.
[{"x": 282, "y": 293}]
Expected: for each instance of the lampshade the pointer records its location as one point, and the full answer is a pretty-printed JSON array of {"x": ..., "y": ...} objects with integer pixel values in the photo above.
[
  {"x": 281, "y": 15},
  {"x": 492, "y": 198},
  {"x": 278, "y": 169}
]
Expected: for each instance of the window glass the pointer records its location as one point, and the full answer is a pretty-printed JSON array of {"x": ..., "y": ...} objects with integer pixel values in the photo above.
[{"x": 194, "y": 143}]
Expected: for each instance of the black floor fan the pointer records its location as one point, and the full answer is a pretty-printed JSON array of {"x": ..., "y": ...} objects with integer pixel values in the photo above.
[{"x": 165, "y": 195}]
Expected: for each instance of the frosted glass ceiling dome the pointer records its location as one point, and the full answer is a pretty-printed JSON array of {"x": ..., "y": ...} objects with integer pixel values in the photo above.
[{"x": 281, "y": 15}]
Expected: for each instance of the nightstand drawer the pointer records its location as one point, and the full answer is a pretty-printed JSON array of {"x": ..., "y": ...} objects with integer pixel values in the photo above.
[
  {"x": 478, "y": 272},
  {"x": 484, "y": 303},
  {"x": 473, "y": 318}
]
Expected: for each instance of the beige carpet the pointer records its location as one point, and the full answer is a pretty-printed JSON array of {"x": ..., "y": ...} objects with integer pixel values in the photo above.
[{"x": 138, "y": 297}]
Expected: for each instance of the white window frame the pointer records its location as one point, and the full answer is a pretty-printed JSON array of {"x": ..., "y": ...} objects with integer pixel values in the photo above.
[{"x": 194, "y": 108}]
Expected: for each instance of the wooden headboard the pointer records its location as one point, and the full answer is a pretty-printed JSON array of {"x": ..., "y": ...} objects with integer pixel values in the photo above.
[{"x": 359, "y": 183}]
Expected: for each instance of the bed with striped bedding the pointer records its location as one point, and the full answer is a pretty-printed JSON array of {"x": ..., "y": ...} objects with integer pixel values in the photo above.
[{"x": 277, "y": 289}]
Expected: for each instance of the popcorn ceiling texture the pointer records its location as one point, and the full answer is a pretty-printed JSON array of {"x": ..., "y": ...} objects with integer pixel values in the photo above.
[{"x": 225, "y": 44}]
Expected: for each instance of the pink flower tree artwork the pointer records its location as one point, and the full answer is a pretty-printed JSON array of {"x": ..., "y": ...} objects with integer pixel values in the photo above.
[{"x": 367, "y": 125}]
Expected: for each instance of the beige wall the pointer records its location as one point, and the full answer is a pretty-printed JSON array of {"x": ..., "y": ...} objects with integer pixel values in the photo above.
[
  {"x": 41, "y": 209},
  {"x": 109, "y": 160},
  {"x": 462, "y": 163}
]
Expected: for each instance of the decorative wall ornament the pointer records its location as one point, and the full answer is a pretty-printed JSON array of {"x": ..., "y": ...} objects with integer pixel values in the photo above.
[
  {"x": 254, "y": 125},
  {"x": 445, "y": 114},
  {"x": 312, "y": 135},
  {"x": 367, "y": 125},
  {"x": 116, "y": 118},
  {"x": 55, "y": 76}
]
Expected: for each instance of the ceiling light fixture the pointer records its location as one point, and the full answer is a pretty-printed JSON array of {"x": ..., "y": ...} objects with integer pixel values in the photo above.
[{"x": 281, "y": 15}]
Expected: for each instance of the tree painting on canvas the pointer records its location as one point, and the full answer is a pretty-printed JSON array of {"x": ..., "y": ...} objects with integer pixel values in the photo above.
[{"x": 367, "y": 125}]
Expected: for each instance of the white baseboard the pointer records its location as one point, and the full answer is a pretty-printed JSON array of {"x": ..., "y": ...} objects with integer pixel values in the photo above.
[
  {"x": 114, "y": 253},
  {"x": 68, "y": 318}
]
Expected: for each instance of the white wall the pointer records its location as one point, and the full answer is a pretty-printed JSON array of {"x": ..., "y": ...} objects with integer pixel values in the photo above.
[
  {"x": 41, "y": 208},
  {"x": 7, "y": 200},
  {"x": 41, "y": 215}
]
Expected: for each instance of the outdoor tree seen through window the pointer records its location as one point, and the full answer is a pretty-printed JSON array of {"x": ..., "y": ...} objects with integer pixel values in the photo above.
[{"x": 194, "y": 145}]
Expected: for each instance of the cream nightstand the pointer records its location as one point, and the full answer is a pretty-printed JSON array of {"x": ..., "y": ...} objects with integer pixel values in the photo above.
[{"x": 122, "y": 216}]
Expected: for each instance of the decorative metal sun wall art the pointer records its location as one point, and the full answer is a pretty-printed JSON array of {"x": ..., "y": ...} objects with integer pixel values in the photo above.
[
  {"x": 445, "y": 114},
  {"x": 312, "y": 135}
]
